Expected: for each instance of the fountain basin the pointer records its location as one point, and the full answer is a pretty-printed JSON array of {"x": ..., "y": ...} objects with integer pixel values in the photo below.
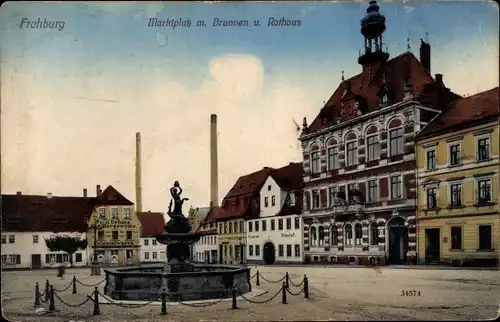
[{"x": 146, "y": 282}]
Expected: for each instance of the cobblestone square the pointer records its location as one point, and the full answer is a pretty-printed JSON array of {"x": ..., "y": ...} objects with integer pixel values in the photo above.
[{"x": 336, "y": 293}]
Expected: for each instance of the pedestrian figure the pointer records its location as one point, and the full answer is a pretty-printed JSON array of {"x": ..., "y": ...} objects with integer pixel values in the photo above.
[{"x": 61, "y": 271}]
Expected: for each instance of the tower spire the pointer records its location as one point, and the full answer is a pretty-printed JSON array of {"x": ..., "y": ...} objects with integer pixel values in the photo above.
[
  {"x": 408, "y": 47},
  {"x": 342, "y": 78},
  {"x": 372, "y": 28}
]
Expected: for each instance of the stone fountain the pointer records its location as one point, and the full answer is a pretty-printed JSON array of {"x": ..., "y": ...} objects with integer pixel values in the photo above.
[{"x": 177, "y": 277}]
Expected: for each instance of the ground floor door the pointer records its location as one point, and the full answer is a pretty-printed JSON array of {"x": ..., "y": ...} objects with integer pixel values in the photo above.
[
  {"x": 432, "y": 245},
  {"x": 36, "y": 261},
  {"x": 206, "y": 256},
  {"x": 220, "y": 254},
  {"x": 398, "y": 241},
  {"x": 269, "y": 253},
  {"x": 213, "y": 256}
]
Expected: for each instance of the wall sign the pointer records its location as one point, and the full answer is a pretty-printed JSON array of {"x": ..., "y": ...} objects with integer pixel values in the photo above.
[
  {"x": 116, "y": 243},
  {"x": 456, "y": 222},
  {"x": 287, "y": 235},
  {"x": 115, "y": 223},
  {"x": 253, "y": 236}
]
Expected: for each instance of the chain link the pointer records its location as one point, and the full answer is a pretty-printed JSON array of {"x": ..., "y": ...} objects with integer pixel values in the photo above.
[
  {"x": 128, "y": 306},
  {"x": 90, "y": 285},
  {"x": 42, "y": 298},
  {"x": 259, "y": 302},
  {"x": 295, "y": 294},
  {"x": 203, "y": 304},
  {"x": 64, "y": 289},
  {"x": 274, "y": 282},
  {"x": 253, "y": 276},
  {"x": 296, "y": 285},
  {"x": 69, "y": 304}
]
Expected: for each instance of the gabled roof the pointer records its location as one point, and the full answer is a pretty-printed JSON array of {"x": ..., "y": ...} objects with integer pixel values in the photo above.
[
  {"x": 289, "y": 177},
  {"x": 466, "y": 111},
  {"x": 391, "y": 76},
  {"x": 152, "y": 223},
  {"x": 250, "y": 183},
  {"x": 197, "y": 217},
  {"x": 111, "y": 197}
]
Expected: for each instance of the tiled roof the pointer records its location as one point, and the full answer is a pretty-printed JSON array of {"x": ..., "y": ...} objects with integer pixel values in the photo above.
[
  {"x": 465, "y": 111},
  {"x": 250, "y": 183},
  {"x": 289, "y": 177},
  {"x": 152, "y": 223},
  {"x": 25, "y": 213},
  {"x": 392, "y": 76}
]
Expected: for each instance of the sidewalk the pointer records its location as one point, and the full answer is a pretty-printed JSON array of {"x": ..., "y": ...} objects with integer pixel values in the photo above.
[{"x": 428, "y": 267}]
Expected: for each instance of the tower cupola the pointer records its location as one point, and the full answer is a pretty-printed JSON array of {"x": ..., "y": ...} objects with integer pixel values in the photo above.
[{"x": 372, "y": 28}]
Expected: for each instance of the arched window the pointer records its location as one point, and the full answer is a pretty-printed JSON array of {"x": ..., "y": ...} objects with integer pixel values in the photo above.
[
  {"x": 358, "y": 234},
  {"x": 396, "y": 139},
  {"x": 373, "y": 234},
  {"x": 348, "y": 234},
  {"x": 372, "y": 144},
  {"x": 313, "y": 237},
  {"x": 315, "y": 159},
  {"x": 332, "y": 161},
  {"x": 351, "y": 147},
  {"x": 321, "y": 233},
  {"x": 333, "y": 235}
]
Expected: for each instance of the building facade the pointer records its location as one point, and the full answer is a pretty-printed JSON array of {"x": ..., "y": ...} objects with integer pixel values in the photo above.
[
  {"x": 276, "y": 235},
  {"x": 459, "y": 182},
  {"x": 27, "y": 220},
  {"x": 114, "y": 229},
  {"x": 152, "y": 224},
  {"x": 359, "y": 156},
  {"x": 242, "y": 202},
  {"x": 205, "y": 249}
]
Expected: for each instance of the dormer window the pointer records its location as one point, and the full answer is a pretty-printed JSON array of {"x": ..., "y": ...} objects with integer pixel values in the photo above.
[
  {"x": 383, "y": 97},
  {"x": 224, "y": 204}
]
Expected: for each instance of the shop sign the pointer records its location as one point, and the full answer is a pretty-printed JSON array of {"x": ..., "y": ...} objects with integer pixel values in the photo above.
[
  {"x": 253, "y": 236},
  {"x": 115, "y": 243},
  {"x": 287, "y": 235},
  {"x": 456, "y": 222},
  {"x": 115, "y": 223}
]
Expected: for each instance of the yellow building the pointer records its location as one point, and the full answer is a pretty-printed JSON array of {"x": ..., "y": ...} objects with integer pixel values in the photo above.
[
  {"x": 458, "y": 192},
  {"x": 232, "y": 241},
  {"x": 114, "y": 229}
]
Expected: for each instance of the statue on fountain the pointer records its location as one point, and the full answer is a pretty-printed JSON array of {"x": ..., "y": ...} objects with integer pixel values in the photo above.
[{"x": 178, "y": 223}]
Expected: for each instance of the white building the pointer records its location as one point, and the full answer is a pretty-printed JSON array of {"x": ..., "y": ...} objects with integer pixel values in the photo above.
[
  {"x": 152, "y": 224},
  {"x": 276, "y": 236},
  {"x": 27, "y": 220},
  {"x": 206, "y": 249}
]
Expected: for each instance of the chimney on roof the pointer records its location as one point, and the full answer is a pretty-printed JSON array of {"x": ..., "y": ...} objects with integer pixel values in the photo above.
[
  {"x": 214, "y": 167},
  {"x": 439, "y": 79},
  {"x": 98, "y": 190},
  {"x": 425, "y": 55},
  {"x": 85, "y": 192},
  {"x": 19, "y": 193},
  {"x": 138, "y": 173},
  {"x": 49, "y": 195}
]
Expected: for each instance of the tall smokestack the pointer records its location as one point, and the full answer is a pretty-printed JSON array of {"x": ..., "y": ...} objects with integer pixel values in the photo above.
[
  {"x": 214, "y": 168},
  {"x": 138, "y": 173}
]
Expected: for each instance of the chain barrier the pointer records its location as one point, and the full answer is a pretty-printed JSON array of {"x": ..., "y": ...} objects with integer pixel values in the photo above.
[
  {"x": 42, "y": 297},
  {"x": 259, "y": 302},
  {"x": 64, "y": 289},
  {"x": 201, "y": 305},
  {"x": 295, "y": 294},
  {"x": 69, "y": 304},
  {"x": 90, "y": 285},
  {"x": 273, "y": 282},
  {"x": 296, "y": 285},
  {"x": 128, "y": 306},
  {"x": 254, "y": 275}
]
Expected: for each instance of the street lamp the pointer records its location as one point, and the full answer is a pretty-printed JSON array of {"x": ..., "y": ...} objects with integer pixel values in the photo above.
[{"x": 95, "y": 266}]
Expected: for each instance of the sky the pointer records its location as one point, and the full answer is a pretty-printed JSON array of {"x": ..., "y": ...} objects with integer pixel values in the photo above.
[{"x": 73, "y": 99}]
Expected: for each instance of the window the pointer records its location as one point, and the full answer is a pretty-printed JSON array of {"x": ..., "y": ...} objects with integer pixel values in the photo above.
[
  {"x": 269, "y": 188},
  {"x": 350, "y": 196},
  {"x": 273, "y": 201},
  {"x": 146, "y": 255},
  {"x": 455, "y": 154},
  {"x": 250, "y": 250},
  {"x": 352, "y": 153},
  {"x": 431, "y": 160},
  {"x": 114, "y": 235},
  {"x": 4, "y": 239},
  {"x": 456, "y": 194},
  {"x": 372, "y": 190},
  {"x": 333, "y": 235},
  {"x": 12, "y": 239},
  {"x": 313, "y": 237},
  {"x": 396, "y": 142},
  {"x": 372, "y": 147},
  {"x": 288, "y": 250},
  {"x": 272, "y": 224},
  {"x": 264, "y": 225},
  {"x": 35, "y": 239},
  {"x": 100, "y": 235},
  {"x": 257, "y": 226},
  {"x": 280, "y": 224},
  {"x": 231, "y": 250},
  {"x": 431, "y": 198},
  {"x": 383, "y": 99},
  {"x": 348, "y": 235},
  {"x": 281, "y": 250},
  {"x": 332, "y": 195},
  {"x": 289, "y": 223},
  {"x": 483, "y": 149},
  {"x": 146, "y": 242},
  {"x": 332, "y": 158},
  {"x": 292, "y": 199},
  {"x": 154, "y": 242},
  {"x": 220, "y": 228},
  {"x": 373, "y": 234},
  {"x": 396, "y": 187},
  {"x": 242, "y": 226},
  {"x": 484, "y": 234},
  {"x": 225, "y": 228},
  {"x": 114, "y": 213},
  {"x": 484, "y": 192},
  {"x": 225, "y": 250},
  {"x": 297, "y": 223},
  {"x": 321, "y": 236},
  {"x": 297, "y": 250},
  {"x": 11, "y": 259},
  {"x": 358, "y": 231},
  {"x": 102, "y": 213},
  {"x": 257, "y": 250},
  {"x": 250, "y": 226},
  {"x": 155, "y": 255},
  {"x": 266, "y": 201},
  {"x": 126, "y": 213},
  {"x": 129, "y": 235},
  {"x": 316, "y": 200},
  {"x": 315, "y": 163},
  {"x": 230, "y": 228},
  {"x": 456, "y": 237},
  {"x": 78, "y": 257},
  {"x": 237, "y": 252}
]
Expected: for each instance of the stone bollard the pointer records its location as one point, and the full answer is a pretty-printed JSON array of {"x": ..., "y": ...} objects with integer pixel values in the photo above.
[
  {"x": 47, "y": 290},
  {"x": 306, "y": 287},
  {"x": 287, "y": 280},
  {"x": 52, "y": 306},
  {"x": 37, "y": 294},
  {"x": 96, "y": 302},
  {"x": 163, "y": 302},
  {"x": 234, "y": 304},
  {"x": 283, "y": 292},
  {"x": 257, "y": 282},
  {"x": 74, "y": 284}
]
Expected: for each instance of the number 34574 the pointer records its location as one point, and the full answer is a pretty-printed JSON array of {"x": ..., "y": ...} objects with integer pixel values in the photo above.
[{"x": 410, "y": 293}]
